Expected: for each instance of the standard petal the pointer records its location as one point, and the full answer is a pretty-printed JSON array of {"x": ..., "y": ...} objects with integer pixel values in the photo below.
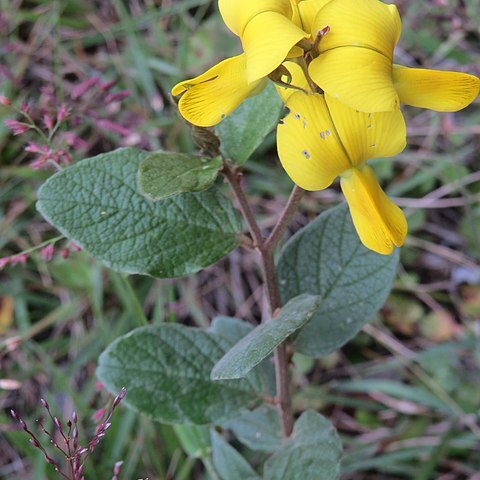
[
  {"x": 308, "y": 145},
  {"x": 208, "y": 98},
  {"x": 298, "y": 79},
  {"x": 267, "y": 41},
  {"x": 362, "y": 23},
  {"x": 368, "y": 135},
  {"x": 237, "y": 13},
  {"x": 360, "y": 78},
  {"x": 380, "y": 224},
  {"x": 434, "y": 89}
]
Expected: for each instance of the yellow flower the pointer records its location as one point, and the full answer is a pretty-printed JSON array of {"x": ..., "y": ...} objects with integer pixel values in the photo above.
[
  {"x": 268, "y": 35},
  {"x": 347, "y": 109},
  {"x": 321, "y": 139},
  {"x": 355, "y": 63}
]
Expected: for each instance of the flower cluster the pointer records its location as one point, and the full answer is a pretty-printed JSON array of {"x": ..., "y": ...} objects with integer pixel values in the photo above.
[
  {"x": 46, "y": 252},
  {"x": 332, "y": 61},
  {"x": 60, "y": 129},
  {"x": 69, "y": 446}
]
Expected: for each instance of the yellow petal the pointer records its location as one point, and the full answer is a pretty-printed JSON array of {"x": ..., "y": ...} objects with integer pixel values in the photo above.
[
  {"x": 295, "y": 13},
  {"x": 267, "y": 40},
  {"x": 368, "y": 135},
  {"x": 380, "y": 224},
  {"x": 208, "y": 98},
  {"x": 294, "y": 52},
  {"x": 308, "y": 145},
  {"x": 307, "y": 11},
  {"x": 365, "y": 23},
  {"x": 237, "y": 13},
  {"x": 298, "y": 79},
  {"x": 434, "y": 89},
  {"x": 360, "y": 78}
]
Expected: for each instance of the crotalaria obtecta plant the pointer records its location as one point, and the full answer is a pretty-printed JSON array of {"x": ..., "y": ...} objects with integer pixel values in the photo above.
[
  {"x": 345, "y": 50},
  {"x": 164, "y": 214}
]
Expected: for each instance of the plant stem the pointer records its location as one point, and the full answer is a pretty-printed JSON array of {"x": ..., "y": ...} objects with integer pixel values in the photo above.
[
  {"x": 232, "y": 174},
  {"x": 281, "y": 359},
  {"x": 266, "y": 249},
  {"x": 285, "y": 218}
]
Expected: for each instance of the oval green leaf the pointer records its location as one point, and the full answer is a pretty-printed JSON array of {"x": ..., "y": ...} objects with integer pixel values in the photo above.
[
  {"x": 166, "y": 371},
  {"x": 233, "y": 330},
  {"x": 96, "y": 203},
  {"x": 313, "y": 452},
  {"x": 326, "y": 258},
  {"x": 164, "y": 174},
  {"x": 258, "y": 429},
  {"x": 261, "y": 341}
]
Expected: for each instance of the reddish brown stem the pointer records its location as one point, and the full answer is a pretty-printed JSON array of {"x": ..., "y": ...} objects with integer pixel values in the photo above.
[{"x": 266, "y": 248}]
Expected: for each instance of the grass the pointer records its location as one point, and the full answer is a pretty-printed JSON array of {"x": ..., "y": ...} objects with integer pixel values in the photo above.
[{"x": 405, "y": 394}]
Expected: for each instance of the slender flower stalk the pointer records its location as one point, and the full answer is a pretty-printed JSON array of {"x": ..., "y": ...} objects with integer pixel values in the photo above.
[{"x": 75, "y": 455}]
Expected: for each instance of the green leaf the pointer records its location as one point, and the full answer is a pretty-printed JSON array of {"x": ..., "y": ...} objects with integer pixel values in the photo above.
[
  {"x": 97, "y": 204},
  {"x": 165, "y": 174},
  {"x": 234, "y": 330},
  {"x": 195, "y": 439},
  {"x": 166, "y": 371},
  {"x": 313, "y": 452},
  {"x": 230, "y": 328},
  {"x": 326, "y": 258},
  {"x": 228, "y": 462},
  {"x": 242, "y": 132},
  {"x": 261, "y": 341},
  {"x": 259, "y": 429}
]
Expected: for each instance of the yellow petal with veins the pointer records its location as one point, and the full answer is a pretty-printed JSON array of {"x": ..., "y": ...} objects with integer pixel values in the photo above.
[
  {"x": 298, "y": 80},
  {"x": 380, "y": 224},
  {"x": 435, "y": 89},
  {"x": 307, "y": 11},
  {"x": 237, "y": 13},
  {"x": 308, "y": 145},
  {"x": 361, "y": 23},
  {"x": 368, "y": 135},
  {"x": 295, "y": 52},
  {"x": 208, "y": 98},
  {"x": 295, "y": 13},
  {"x": 360, "y": 78},
  {"x": 267, "y": 41}
]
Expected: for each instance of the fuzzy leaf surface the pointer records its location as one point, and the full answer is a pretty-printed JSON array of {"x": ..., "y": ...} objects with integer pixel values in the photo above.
[
  {"x": 164, "y": 174},
  {"x": 261, "y": 341},
  {"x": 234, "y": 330},
  {"x": 326, "y": 258},
  {"x": 231, "y": 328},
  {"x": 166, "y": 371},
  {"x": 313, "y": 452},
  {"x": 258, "y": 429},
  {"x": 97, "y": 204}
]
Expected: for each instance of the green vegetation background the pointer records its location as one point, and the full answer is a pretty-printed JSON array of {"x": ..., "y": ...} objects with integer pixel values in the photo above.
[{"x": 405, "y": 394}]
